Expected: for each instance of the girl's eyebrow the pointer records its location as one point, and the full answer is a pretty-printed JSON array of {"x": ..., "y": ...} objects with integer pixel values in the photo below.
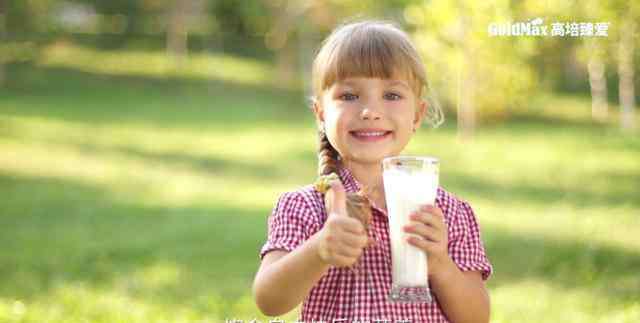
[
  {"x": 401, "y": 83},
  {"x": 346, "y": 83},
  {"x": 390, "y": 83}
]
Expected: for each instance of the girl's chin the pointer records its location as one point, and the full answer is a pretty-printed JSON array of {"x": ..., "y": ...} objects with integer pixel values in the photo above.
[{"x": 368, "y": 157}]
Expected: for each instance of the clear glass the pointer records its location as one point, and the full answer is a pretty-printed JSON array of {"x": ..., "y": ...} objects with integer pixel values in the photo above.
[{"x": 409, "y": 182}]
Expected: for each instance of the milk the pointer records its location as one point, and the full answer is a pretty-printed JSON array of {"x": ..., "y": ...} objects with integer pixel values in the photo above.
[{"x": 405, "y": 192}]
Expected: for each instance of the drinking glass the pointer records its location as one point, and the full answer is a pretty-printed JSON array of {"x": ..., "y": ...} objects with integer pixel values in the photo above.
[{"x": 409, "y": 182}]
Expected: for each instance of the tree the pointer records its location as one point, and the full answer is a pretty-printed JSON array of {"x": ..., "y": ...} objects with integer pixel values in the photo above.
[
  {"x": 484, "y": 77},
  {"x": 595, "y": 49},
  {"x": 625, "y": 72},
  {"x": 597, "y": 83},
  {"x": 177, "y": 32},
  {"x": 3, "y": 17}
]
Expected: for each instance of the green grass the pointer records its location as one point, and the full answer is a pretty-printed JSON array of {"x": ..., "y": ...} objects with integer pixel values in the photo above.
[{"x": 131, "y": 197}]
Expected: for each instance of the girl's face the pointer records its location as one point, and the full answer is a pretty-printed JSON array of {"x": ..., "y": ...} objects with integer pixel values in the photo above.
[{"x": 368, "y": 119}]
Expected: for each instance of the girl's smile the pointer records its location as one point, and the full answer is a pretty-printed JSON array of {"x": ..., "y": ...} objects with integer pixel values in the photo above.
[{"x": 371, "y": 134}]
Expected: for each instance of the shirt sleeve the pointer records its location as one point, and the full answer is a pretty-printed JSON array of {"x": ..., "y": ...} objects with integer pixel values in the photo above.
[
  {"x": 465, "y": 247},
  {"x": 290, "y": 224}
]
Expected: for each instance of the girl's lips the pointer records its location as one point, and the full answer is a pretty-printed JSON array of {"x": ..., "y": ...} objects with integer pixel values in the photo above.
[{"x": 370, "y": 136}]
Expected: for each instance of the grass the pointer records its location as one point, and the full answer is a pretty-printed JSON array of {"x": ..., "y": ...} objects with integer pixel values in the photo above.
[{"x": 131, "y": 197}]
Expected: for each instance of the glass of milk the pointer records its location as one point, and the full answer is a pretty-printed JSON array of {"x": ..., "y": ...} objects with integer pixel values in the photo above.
[{"x": 409, "y": 182}]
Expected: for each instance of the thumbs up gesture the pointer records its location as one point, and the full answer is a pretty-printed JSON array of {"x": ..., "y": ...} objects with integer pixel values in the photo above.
[{"x": 342, "y": 238}]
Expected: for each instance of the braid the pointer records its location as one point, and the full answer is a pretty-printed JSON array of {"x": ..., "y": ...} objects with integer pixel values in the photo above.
[
  {"x": 358, "y": 204},
  {"x": 327, "y": 155}
]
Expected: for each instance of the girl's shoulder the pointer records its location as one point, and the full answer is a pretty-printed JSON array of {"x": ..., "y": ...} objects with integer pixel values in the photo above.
[
  {"x": 450, "y": 204},
  {"x": 305, "y": 198}
]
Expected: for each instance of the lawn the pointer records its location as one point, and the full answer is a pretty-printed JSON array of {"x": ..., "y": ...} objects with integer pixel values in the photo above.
[{"x": 142, "y": 196}]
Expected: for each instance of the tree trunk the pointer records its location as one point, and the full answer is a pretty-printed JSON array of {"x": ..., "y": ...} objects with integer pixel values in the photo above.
[
  {"x": 286, "y": 63},
  {"x": 307, "y": 41},
  {"x": 625, "y": 75},
  {"x": 3, "y": 25},
  {"x": 177, "y": 36},
  {"x": 598, "y": 84},
  {"x": 466, "y": 85},
  {"x": 283, "y": 41},
  {"x": 466, "y": 108}
]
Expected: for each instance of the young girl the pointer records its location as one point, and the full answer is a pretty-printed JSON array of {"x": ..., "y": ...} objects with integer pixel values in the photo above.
[{"x": 368, "y": 84}]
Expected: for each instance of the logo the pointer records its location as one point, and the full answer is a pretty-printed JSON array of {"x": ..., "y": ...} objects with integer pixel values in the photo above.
[{"x": 536, "y": 28}]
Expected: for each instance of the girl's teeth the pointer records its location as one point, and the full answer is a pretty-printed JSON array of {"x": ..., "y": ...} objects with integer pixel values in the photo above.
[{"x": 370, "y": 134}]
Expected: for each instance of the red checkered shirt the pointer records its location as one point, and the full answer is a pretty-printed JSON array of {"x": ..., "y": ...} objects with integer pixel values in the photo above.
[{"x": 343, "y": 295}]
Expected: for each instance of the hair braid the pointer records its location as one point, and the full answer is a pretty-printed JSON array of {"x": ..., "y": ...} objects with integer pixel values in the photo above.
[
  {"x": 358, "y": 204},
  {"x": 327, "y": 155}
]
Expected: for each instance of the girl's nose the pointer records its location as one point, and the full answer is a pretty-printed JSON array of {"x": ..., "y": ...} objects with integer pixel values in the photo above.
[{"x": 370, "y": 114}]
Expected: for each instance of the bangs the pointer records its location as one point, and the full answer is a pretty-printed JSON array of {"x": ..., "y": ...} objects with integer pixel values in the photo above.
[{"x": 367, "y": 51}]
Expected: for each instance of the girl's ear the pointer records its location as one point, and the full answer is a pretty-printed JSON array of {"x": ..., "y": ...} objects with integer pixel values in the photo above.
[
  {"x": 421, "y": 109},
  {"x": 318, "y": 111}
]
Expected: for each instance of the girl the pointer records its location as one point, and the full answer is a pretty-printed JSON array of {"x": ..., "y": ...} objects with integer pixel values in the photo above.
[{"x": 368, "y": 82}]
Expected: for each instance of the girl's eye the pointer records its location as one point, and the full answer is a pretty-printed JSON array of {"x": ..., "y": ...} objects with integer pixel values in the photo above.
[
  {"x": 392, "y": 96},
  {"x": 348, "y": 97}
]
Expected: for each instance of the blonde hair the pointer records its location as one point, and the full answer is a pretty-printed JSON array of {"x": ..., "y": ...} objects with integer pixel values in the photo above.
[{"x": 369, "y": 48}]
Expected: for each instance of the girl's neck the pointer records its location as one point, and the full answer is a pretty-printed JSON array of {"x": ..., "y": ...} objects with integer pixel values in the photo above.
[{"x": 369, "y": 176}]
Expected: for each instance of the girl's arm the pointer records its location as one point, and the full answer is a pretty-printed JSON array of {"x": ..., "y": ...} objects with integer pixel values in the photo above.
[
  {"x": 462, "y": 295},
  {"x": 286, "y": 278}
]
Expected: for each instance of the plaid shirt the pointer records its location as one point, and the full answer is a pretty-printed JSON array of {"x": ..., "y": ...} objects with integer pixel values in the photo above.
[{"x": 342, "y": 295}]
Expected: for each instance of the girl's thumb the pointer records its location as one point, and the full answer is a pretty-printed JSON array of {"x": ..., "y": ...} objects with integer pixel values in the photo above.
[{"x": 336, "y": 199}]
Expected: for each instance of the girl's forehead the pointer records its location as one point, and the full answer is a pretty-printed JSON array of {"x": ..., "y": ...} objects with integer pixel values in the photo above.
[
  {"x": 356, "y": 80},
  {"x": 395, "y": 79}
]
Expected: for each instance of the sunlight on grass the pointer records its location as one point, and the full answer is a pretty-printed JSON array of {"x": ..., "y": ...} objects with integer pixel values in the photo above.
[
  {"x": 245, "y": 309},
  {"x": 132, "y": 180},
  {"x": 111, "y": 156},
  {"x": 158, "y": 275},
  {"x": 571, "y": 108},
  {"x": 565, "y": 222},
  {"x": 240, "y": 145},
  {"x": 17, "y": 51},
  {"x": 79, "y": 302},
  {"x": 539, "y": 299},
  {"x": 534, "y": 163},
  {"x": 156, "y": 64}
]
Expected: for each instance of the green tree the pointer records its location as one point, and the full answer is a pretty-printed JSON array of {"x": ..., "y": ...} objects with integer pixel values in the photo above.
[
  {"x": 483, "y": 77},
  {"x": 627, "y": 38}
]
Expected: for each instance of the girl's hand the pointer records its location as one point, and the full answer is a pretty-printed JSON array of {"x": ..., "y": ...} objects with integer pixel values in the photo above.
[
  {"x": 342, "y": 238},
  {"x": 428, "y": 223}
]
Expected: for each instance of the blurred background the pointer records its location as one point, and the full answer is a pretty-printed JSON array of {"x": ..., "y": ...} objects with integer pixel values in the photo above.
[{"x": 143, "y": 143}]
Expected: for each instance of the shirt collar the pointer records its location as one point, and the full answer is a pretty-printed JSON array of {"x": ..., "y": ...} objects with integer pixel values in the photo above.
[{"x": 350, "y": 183}]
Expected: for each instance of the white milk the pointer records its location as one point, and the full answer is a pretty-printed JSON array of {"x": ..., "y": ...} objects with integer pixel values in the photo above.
[{"x": 404, "y": 193}]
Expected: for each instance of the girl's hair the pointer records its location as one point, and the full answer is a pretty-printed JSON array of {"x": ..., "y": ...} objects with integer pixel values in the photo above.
[{"x": 367, "y": 48}]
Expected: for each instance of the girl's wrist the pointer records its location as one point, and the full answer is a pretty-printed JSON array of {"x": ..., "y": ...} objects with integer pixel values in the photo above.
[
  {"x": 443, "y": 270},
  {"x": 317, "y": 250}
]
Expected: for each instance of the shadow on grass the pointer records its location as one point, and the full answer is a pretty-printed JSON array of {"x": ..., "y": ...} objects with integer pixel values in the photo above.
[
  {"x": 58, "y": 232},
  {"x": 542, "y": 121},
  {"x": 608, "y": 271},
  {"x": 72, "y": 95},
  {"x": 210, "y": 165},
  {"x": 620, "y": 192}
]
